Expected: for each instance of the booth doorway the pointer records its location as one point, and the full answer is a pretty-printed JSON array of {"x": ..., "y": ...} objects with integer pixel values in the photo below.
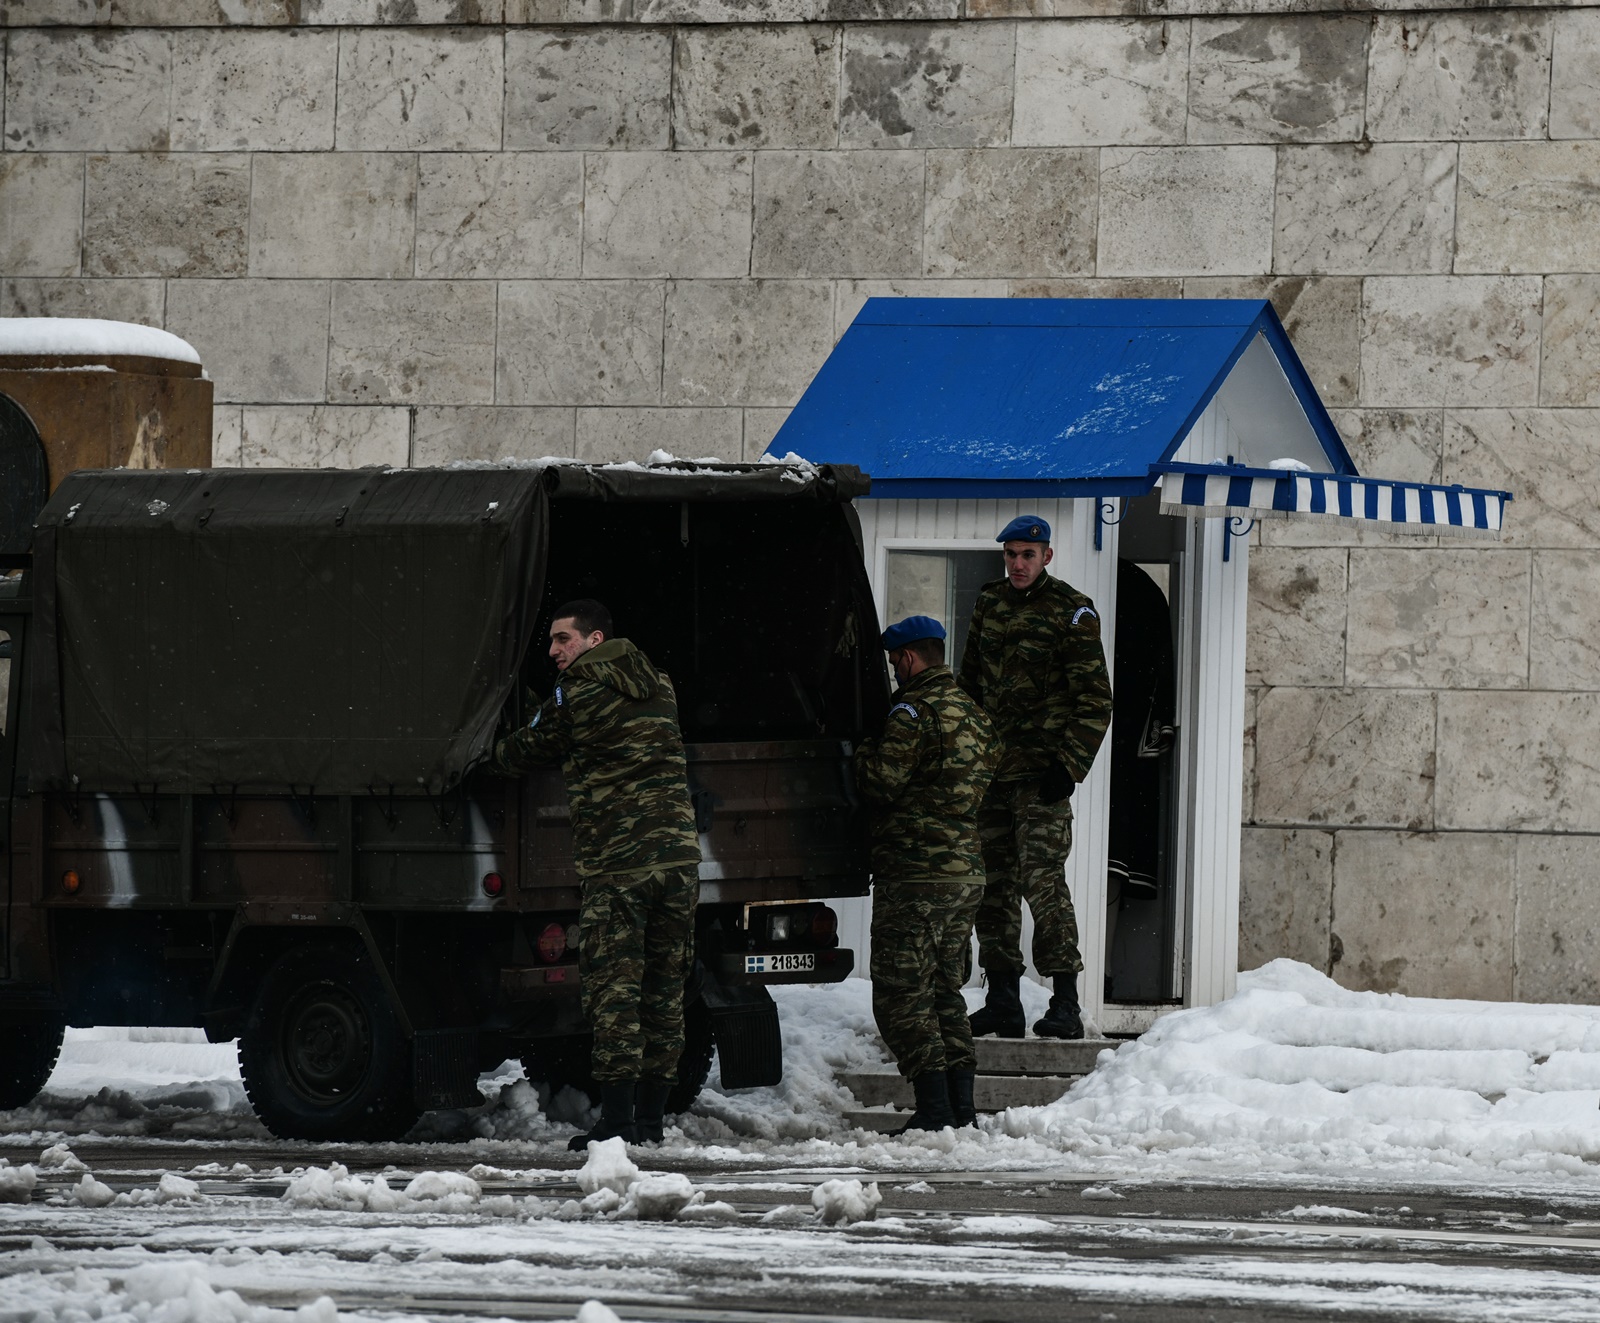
[
  {"x": 1143, "y": 904},
  {"x": 942, "y": 583}
]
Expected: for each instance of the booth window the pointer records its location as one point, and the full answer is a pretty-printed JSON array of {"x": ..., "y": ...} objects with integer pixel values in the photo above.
[{"x": 941, "y": 584}]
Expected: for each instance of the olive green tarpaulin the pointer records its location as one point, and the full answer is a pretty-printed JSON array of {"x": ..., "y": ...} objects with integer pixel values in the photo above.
[{"x": 326, "y": 631}]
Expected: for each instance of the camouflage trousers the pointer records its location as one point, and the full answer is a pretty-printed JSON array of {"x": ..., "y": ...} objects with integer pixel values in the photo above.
[
  {"x": 921, "y": 933},
  {"x": 1025, "y": 849},
  {"x": 636, "y": 935}
]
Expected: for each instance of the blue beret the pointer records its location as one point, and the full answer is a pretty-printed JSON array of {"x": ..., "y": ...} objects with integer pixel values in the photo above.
[
  {"x": 910, "y": 630},
  {"x": 1025, "y": 528}
]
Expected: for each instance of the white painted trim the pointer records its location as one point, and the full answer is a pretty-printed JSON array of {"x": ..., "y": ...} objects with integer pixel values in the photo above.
[
  {"x": 1094, "y": 573},
  {"x": 1216, "y": 768}
]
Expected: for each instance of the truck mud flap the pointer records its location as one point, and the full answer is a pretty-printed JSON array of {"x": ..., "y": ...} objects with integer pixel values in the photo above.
[
  {"x": 744, "y": 1022},
  {"x": 444, "y": 1068}
]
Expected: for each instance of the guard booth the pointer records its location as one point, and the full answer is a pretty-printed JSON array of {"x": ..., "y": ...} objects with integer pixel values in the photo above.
[{"x": 1152, "y": 434}]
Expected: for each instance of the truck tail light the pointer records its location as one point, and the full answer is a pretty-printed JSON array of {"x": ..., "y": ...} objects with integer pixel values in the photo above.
[
  {"x": 70, "y": 882},
  {"x": 824, "y": 926},
  {"x": 552, "y": 943},
  {"x": 493, "y": 884}
]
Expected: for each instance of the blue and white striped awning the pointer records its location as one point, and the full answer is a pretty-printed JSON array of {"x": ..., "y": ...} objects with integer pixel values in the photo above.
[{"x": 1418, "y": 507}]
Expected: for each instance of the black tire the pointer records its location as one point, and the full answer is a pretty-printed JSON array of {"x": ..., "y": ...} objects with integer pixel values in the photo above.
[
  {"x": 28, "y": 1054},
  {"x": 322, "y": 1054},
  {"x": 564, "y": 1062}
]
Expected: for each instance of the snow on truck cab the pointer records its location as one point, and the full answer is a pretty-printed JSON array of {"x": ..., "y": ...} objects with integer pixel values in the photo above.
[{"x": 242, "y": 781}]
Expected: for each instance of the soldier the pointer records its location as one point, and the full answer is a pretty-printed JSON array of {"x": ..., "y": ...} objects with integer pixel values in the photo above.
[
  {"x": 612, "y": 725},
  {"x": 924, "y": 779},
  {"x": 1034, "y": 660}
]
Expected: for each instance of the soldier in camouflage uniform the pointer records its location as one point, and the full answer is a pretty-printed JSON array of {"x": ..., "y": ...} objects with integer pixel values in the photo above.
[
  {"x": 612, "y": 725},
  {"x": 1034, "y": 660},
  {"x": 924, "y": 779}
]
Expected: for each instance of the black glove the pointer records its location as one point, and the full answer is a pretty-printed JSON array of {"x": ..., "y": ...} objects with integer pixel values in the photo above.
[{"x": 1056, "y": 784}]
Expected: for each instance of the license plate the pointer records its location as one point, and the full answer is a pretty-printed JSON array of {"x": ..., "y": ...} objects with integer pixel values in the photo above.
[{"x": 780, "y": 963}]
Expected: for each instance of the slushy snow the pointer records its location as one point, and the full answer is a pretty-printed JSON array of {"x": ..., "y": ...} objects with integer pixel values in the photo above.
[{"x": 1292, "y": 1076}]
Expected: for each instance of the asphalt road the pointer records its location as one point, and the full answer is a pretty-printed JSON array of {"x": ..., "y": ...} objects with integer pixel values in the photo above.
[{"x": 1009, "y": 1247}]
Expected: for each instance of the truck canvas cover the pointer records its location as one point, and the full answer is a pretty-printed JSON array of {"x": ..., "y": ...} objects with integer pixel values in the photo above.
[{"x": 317, "y": 631}]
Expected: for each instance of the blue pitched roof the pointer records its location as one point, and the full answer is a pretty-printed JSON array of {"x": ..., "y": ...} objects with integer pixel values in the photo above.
[{"x": 1033, "y": 397}]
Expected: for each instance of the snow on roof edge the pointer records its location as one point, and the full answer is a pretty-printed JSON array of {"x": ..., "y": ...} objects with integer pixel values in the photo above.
[{"x": 89, "y": 337}]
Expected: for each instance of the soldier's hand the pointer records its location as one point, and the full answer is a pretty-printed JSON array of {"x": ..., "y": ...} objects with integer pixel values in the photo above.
[{"x": 1056, "y": 784}]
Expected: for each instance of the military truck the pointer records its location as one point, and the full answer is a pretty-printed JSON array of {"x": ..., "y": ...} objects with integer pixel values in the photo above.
[{"x": 243, "y": 777}]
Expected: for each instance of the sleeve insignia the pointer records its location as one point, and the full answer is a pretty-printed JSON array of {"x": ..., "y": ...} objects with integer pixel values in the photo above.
[
  {"x": 562, "y": 698},
  {"x": 904, "y": 707},
  {"x": 536, "y": 717},
  {"x": 1083, "y": 611}
]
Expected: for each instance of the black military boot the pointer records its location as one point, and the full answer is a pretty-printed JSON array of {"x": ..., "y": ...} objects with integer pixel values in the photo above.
[
  {"x": 616, "y": 1117},
  {"x": 1063, "y": 1018},
  {"x": 933, "y": 1104},
  {"x": 650, "y": 1110},
  {"x": 961, "y": 1082},
  {"x": 1001, "y": 1012}
]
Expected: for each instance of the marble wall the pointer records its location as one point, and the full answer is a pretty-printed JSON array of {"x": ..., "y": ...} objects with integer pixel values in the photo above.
[{"x": 422, "y": 230}]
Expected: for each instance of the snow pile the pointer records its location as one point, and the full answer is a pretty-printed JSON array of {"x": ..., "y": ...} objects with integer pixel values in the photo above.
[
  {"x": 593, "y": 1311},
  {"x": 827, "y": 1031},
  {"x": 608, "y": 1168},
  {"x": 87, "y": 337},
  {"x": 334, "y": 1187},
  {"x": 90, "y": 1193},
  {"x": 846, "y": 1201},
  {"x": 176, "y": 1292},
  {"x": 58, "y": 1157},
  {"x": 16, "y": 1183},
  {"x": 614, "y": 1188},
  {"x": 1296, "y": 1073}
]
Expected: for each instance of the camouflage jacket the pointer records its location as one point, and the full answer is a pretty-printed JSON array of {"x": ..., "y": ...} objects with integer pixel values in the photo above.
[
  {"x": 1035, "y": 662},
  {"x": 612, "y": 725},
  {"x": 924, "y": 779}
]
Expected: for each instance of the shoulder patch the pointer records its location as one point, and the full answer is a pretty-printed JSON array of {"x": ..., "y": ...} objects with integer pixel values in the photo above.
[
  {"x": 537, "y": 714},
  {"x": 1083, "y": 611},
  {"x": 562, "y": 698},
  {"x": 904, "y": 707}
]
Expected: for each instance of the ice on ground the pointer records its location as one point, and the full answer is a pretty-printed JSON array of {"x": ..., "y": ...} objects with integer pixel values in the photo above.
[
  {"x": 592, "y": 1311},
  {"x": 88, "y": 337},
  {"x": 846, "y": 1201},
  {"x": 1102, "y": 1192},
  {"x": 175, "y": 1292}
]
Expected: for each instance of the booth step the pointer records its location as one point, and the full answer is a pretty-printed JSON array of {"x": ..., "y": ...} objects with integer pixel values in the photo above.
[
  {"x": 1040, "y": 1056},
  {"x": 990, "y": 1093}
]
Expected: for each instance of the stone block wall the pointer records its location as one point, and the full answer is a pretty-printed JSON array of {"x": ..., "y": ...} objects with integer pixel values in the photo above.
[{"x": 438, "y": 229}]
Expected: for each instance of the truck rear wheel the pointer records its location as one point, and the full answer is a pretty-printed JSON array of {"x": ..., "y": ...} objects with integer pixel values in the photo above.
[
  {"x": 322, "y": 1054},
  {"x": 562, "y": 1062},
  {"x": 28, "y": 1053}
]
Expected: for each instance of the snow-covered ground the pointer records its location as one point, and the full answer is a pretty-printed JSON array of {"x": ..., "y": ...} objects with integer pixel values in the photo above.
[
  {"x": 1293, "y": 1077},
  {"x": 1294, "y": 1082}
]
